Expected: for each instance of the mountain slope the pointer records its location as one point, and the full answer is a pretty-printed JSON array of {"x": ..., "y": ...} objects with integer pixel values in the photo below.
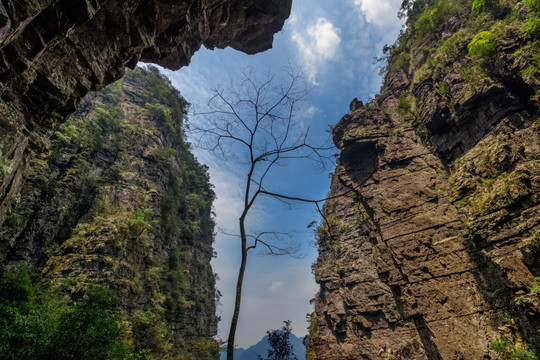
[{"x": 119, "y": 200}]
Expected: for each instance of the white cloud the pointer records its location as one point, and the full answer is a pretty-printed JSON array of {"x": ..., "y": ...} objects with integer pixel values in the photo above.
[
  {"x": 276, "y": 286},
  {"x": 380, "y": 12},
  {"x": 312, "y": 110},
  {"x": 320, "y": 42},
  {"x": 264, "y": 309},
  {"x": 228, "y": 204},
  {"x": 325, "y": 38},
  {"x": 292, "y": 19},
  {"x": 192, "y": 83}
]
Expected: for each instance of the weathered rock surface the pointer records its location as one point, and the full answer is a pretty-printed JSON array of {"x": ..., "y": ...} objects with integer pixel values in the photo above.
[
  {"x": 52, "y": 52},
  {"x": 432, "y": 253},
  {"x": 119, "y": 200}
]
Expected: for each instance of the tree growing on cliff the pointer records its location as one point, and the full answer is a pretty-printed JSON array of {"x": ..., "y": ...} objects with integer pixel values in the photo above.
[{"x": 254, "y": 124}]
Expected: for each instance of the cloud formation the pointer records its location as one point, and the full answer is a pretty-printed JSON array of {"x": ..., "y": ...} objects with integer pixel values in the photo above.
[
  {"x": 319, "y": 43},
  {"x": 380, "y": 12},
  {"x": 276, "y": 286}
]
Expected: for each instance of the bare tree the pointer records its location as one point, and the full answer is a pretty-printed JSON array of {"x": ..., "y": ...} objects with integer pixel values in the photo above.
[{"x": 255, "y": 124}]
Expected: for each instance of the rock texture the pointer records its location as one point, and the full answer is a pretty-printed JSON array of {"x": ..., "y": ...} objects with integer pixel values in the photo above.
[
  {"x": 432, "y": 252},
  {"x": 119, "y": 200},
  {"x": 52, "y": 52}
]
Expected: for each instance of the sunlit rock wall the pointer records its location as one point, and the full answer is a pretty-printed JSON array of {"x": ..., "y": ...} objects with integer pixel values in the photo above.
[{"x": 433, "y": 251}]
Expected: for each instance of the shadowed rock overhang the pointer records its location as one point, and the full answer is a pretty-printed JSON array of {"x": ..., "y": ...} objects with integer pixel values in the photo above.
[{"x": 53, "y": 52}]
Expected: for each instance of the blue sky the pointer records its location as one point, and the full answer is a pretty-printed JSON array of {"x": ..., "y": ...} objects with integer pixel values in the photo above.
[{"x": 335, "y": 42}]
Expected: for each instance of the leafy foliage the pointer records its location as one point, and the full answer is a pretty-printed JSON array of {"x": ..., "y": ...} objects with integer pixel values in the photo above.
[
  {"x": 202, "y": 350},
  {"x": 91, "y": 329},
  {"x": 531, "y": 28},
  {"x": 280, "y": 346},
  {"x": 533, "y": 5},
  {"x": 508, "y": 351},
  {"x": 535, "y": 288},
  {"x": 313, "y": 332},
  {"x": 482, "y": 45},
  {"x": 161, "y": 91},
  {"x": 37, "y": 324},
  {"x": 425, "y": 17},
  {"x": 480, "y": 6}
]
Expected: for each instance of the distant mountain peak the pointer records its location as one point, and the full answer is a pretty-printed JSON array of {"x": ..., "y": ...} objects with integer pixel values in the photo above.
[{"x": 262, "y": 347}]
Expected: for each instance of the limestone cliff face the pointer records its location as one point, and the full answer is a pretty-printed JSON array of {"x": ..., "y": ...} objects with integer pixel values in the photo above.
[
  {"x": 119, "y": 200},
  {"x": 52, "y": 52},
  {"x": 433, "y": 252}
]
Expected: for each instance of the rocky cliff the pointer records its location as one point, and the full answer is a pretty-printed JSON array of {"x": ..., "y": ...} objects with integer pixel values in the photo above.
[
  {"x": 119, "y": 200},
  {"x": 52, "y": 52},
  {"x": 433, "y": 253}
]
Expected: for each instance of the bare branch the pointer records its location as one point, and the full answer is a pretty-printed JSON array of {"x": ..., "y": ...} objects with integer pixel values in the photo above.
[
  {"x": 312, "y": 201},
  {"x": 272, "y": 248}
]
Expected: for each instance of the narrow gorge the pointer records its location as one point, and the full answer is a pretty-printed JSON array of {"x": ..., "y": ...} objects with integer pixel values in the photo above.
[{"x": 429, "y": 243}]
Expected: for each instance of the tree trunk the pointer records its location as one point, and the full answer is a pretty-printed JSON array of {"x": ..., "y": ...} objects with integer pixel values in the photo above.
[{"x": 234, "y": 321}]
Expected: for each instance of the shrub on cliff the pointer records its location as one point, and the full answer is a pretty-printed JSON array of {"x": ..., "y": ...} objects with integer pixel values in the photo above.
[
  {"x": 478, "y": 6},
  {"x": 482, "y": 45},
  {"x": 508, "y": 351},
  {"x": 533, "y": 4}
]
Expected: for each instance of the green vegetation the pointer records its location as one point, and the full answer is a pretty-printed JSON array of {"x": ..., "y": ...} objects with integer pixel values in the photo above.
[
  {"x": 508, "y": 351},
  {"x": 531, "y": 241},
  {"x": 489, "y": 193},
  {"x": 114, "y": 221},
  {"x": 330, "y": 226},
  {"x": 535, "y": 288},
  {"x": 534, "y": 68},
  {"x": 202, "y": 350},
  {"x": 36, "y": 323},
  {"x": 313, "y": 331},
  {"x": 488, "y": 187},
  {"x": 482, "y": 45},
  {"x": 465, "y": 36},
  {"x": 480, "y": 6},
  {"x": 531, "y": 28},
  {"x": 406, "y": 108},
  {"x": 321, "y": 271},
  {"x": 425, "y": 19},
  {"x": 161, "y": 91},
  {"x": 280, "y": 346},
  {"x": 403, "y": 60},
  {"x": 149, "y": 331},
  {"x": 534, "y": 5},
  {"x": 113, "y": 92}
]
